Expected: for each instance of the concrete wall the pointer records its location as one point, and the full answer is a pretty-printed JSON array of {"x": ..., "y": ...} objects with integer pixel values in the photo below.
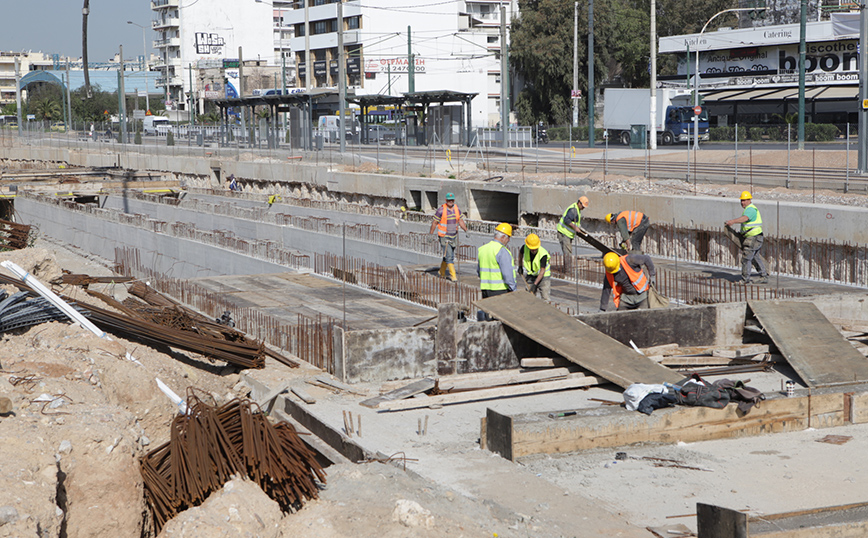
[
  {"x": 383, "y": 355},
  {"x": 808, "y": 221}
]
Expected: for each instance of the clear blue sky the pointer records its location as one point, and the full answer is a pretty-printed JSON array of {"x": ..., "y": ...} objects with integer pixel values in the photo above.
[{"x": 54, "y": 27}]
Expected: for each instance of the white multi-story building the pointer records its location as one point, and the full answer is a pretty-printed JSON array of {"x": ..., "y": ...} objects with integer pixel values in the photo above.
[
  {"x": 193, "y": 33},
  {"x": 27, "y": 61},
  {"x": 455, "y": 46}
]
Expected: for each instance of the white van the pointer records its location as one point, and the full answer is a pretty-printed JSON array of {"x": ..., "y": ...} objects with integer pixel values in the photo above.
[{"x": 150, "y": 124}]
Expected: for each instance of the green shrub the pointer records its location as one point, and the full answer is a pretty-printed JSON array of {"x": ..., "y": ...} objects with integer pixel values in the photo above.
[
  {"x": 755, "y": 133},
  {"x": 170, "y": 139},
  {"x": 821, "y": 132},
  {"x": 721, "y": 133}
]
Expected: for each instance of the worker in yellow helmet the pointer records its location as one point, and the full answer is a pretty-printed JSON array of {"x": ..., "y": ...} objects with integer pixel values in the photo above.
[
  {"x": 751, "y": 236},
  {"x": 626, "y": 281},
  {"x": 447, "y": 220},
  {"x": 632, "y": 225},
  {"x": 534, "y": 265},
  {"x": 495, "y": 266},
  {"x": 568, "y": 226}
]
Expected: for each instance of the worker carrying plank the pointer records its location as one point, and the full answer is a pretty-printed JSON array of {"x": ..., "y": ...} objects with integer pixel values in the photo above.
[
  {"x": 535, "y": 267},
  {"x": 495, "y": 266},
  {"x": 626, "y": 281},
  {"x": 751, "y": 236},
  {"x": 447, "y": 219},
  {"x": 632, "y": 226},
  {"x": 570, "y": 224}
]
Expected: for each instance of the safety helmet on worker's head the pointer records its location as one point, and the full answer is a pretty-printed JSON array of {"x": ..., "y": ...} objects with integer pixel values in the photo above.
[
  {"x": 505, "y": 228},
  {"x": 612, "y": 262},
  {"x": 532, "y": 241},
  {"x": 450, "y": 196},
  {"x": 745, "y": 195},
  {"x": 610, "y": 217},
  {"x": 584, "y": 200}
]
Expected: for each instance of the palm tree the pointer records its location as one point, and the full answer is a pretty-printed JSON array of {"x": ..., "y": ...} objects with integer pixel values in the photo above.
[{"x": 46, "y": 109}]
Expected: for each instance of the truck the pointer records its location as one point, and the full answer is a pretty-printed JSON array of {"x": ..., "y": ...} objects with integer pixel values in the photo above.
[
  {"x": 625, "y": 107},
  {"x": 150, "y": 124}
]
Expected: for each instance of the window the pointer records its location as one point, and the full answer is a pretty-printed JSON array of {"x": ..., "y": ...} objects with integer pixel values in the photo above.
[
  {"x": 353, "y": 23},
  {"x": 320, "y": 27},
  {"x": 493, "y": 39},
  {"x": 299, "y": 30}
]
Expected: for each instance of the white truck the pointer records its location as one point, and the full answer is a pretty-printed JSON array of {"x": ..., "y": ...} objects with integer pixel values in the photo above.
[
  {"x": 150, "y": 124},
  {"x": 625, "y": 107}
]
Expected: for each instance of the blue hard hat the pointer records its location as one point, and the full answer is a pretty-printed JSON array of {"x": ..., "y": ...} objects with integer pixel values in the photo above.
[{"x": 450, "y": 196}]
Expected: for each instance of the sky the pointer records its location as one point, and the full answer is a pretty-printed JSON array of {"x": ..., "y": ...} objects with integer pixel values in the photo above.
[{"x": 54, "y": 27}]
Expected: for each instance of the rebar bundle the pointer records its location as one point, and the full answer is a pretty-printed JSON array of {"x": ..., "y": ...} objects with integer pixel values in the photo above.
[
  {"x": 17, "y": 311},
  {"x": 209, "y": 445}
]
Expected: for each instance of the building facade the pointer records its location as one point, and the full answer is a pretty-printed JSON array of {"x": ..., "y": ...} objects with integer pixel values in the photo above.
[{"x": 751, "y": 75}]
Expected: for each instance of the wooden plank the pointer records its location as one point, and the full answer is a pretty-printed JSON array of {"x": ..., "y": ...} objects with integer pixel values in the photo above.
[
  {"x": 336, "y": 384},
  {"x": 859, "y": 326},
  {"x": 301, "y": 393},
  {"x": 708, "y": 361},
  {"x": 675, "y": 530},
  {"x": 732, "y": 352},
  {"x": 859, "y": 408},
  {"x": 598, "y": 353},
  {"x": 610, "y": 426},
  {"x": 544, "y": 362},
  {"x": 498, "y": 433},
  {"x": 658, "y": 350},
  {"x": 718, "y": 522},
  {"x": 597, "y": 244},
  {"x": 812, "y": 346},
  {"x": 498, "y": 379},
  {"x": 488, "y": 394},
  {"x": 416, "y": 387}
]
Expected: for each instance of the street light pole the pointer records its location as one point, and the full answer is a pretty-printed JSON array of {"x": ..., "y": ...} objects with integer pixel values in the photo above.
[
  {"x": 146, "y": 66},
  {"x": 696, "y": 71}
]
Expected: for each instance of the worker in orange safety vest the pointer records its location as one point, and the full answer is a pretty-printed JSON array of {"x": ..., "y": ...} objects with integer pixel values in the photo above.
[
  {"x": 626, "y": 281},
  {"x": 447, "y": 220},
  {"x": 632, "y": 225}
]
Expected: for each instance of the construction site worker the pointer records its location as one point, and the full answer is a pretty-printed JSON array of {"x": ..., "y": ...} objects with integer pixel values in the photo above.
[
  {"x": 626, "y": 281},
  {"x": 494, "y": 264},
  {"x": 447, "y": 220},
  {"x": 751, "y": 236},
  {"x": 632, "y": 226},
  {"x": 568, "y": 226},
  {"x": 535, "y": 267},
  {"x": 273, "y": 198}
]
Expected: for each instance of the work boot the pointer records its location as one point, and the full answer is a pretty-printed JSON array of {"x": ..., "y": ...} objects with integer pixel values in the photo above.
[
  {"x": 443, "y": 269},
  {"x": 452, "y": 275},
  {"x": 764, "y": 280}
]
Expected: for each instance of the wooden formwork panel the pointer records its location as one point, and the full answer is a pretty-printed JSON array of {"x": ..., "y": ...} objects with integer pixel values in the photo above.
[{"x": 537, "y": 433}]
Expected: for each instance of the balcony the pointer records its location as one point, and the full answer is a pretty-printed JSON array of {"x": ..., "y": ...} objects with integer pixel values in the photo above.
[
  {"x": 161, "y": 4},
  {"x": 164, "y": 22},
  {"x": 172, "y": 81},
  {"x": 171, "y": 42}
]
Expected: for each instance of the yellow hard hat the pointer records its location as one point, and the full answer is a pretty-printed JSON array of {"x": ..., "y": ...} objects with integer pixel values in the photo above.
[
  {"x": 612, "y": 262},
  {"x": 745, "y": 195},
  {"x": 532, "y": 241},
  {"x": 584, "y": 200},
  {"x": 610, "y": 217},
  {"x": 504, "y": 227}
]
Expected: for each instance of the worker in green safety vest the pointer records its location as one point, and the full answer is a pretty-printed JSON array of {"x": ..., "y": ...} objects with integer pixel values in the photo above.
[
  {"x": 536, "y": 267},
  {"x": 570, "y": 224},
  {"x": 751, "y": 235},
  {"x": 495, "y": 266}
]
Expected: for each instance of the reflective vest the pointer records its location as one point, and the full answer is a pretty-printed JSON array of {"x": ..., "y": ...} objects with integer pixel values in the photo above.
[
  {"x": 441, "y": 228},
  {"x": 490, "y": 277},
  {"x": 566, "y": 230},
  {"x": 754, "y": 227},
  {"x": 637, "y": 278},
  {"x": 531, "y": 266},
  {"x": 633, "y": 218}
]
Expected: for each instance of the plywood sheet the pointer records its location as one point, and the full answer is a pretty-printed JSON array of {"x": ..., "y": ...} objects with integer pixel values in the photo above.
[
  {"x": 810, "y": 343},
  {"x": 575, "y": 341}
]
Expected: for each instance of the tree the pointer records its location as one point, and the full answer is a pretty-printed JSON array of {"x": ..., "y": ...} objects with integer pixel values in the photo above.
[{"x": 46, "y": 109}]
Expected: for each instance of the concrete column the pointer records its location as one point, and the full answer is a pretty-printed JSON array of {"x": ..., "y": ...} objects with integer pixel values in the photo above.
[{"x": 446, "y": 341}]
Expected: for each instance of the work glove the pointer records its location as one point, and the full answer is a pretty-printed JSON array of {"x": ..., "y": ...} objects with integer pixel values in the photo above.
[
  {"x": 653, "y": 281},
  {"x": 521, "y": 270},
  {"x": 533, "y": 288},
  {"x": 623, "y": 245}
]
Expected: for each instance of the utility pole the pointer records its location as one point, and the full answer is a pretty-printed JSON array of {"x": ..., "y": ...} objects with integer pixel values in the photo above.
[
  {"x": 802, "y": 24},
  {"x": 863, "y": 92},
  {"x": 590, "y": 73},
  {"x": 122, "y": 97},
  {"x": 411, "y": 66},
  {"x": 575, "y": 64},
  {"x": 504, "y": 80},
  {"x": 68, "y": 98},
  {"x": 241, "y": 91},
  {"x": 342, "y": 83},
  {"x": 18, "y": 92},
  {"x": 85, "y": 11},
  {"x": 653, "y": 125}
]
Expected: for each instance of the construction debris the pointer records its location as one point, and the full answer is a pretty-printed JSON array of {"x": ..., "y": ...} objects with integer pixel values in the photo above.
[
  {"x": 13, "y": 236},
  {"x": 17, "y": 311},
  {"x": 210, "y": 444}
]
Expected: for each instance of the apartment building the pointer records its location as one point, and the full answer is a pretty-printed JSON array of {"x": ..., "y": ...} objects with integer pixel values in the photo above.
[
  {"x": 454, "y": 46},
  {"x": 28, "y": 61}
]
